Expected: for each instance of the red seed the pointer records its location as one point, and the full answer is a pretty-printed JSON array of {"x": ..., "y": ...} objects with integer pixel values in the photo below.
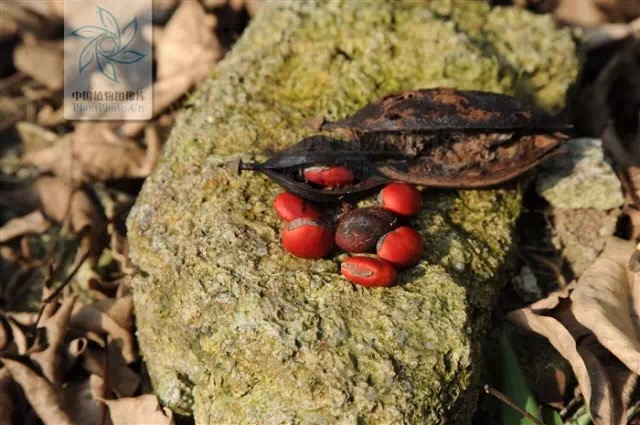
[
  {"x": 289, "y": 207},
  {"x": 367, "y": 271},
  {"x": 335, "y": 176},
  {"x": 401, "y": 198},
  {"x": 307, "y": 238},
  {"x": 360, "y": 229},
  {"x": 401, "y": 247}
]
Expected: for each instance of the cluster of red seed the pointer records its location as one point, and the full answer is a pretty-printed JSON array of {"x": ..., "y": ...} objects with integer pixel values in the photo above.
[{"x": 307, "y": 233}]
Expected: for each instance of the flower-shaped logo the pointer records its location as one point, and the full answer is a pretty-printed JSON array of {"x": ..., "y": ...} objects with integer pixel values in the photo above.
[{"x": 108, "y": 45}]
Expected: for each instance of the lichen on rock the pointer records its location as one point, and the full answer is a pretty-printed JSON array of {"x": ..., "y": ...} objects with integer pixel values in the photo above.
[{"x": 232, "y": 328}]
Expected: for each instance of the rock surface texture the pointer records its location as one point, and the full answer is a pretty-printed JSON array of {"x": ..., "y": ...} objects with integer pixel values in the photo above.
[
  {"x": 580, "y": 179},
  {"x": 233, "y": 329},
  {"x": 586, "y": 197}
]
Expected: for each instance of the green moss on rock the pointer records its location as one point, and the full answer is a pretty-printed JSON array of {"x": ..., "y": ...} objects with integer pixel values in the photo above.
[{"x": 233, "y": 329}]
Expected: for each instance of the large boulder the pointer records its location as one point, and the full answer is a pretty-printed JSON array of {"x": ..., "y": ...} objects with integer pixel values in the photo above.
[{"x": 233, "y": 329}]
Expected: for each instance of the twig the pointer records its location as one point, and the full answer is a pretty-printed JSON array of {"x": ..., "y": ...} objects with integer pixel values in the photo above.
[
  {"x": 506, "y": 400},
  {"x": 70, "y": 276}
]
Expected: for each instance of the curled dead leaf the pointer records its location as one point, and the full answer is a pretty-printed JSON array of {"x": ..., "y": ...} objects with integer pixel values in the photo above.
[
  {"x": 119, "y": 309},
  {"x": 136, "y": 410},
  {"x": 5, "y": 333},
  {"x": 42, "y": 60},
  {"x": 122, "y": 380},
  {"x": 597, "y": 311},
  {"x": 18, "y": 335},
  {"x": 45, "y": 400},
  {"x": 34, "y": 137},
  {"x": 74, "y": 349},
  {"x": 59, "y": 200},
  {"x": 88, "y": 318},
  {"x": 120, "y": 250},
  {"x": 51, "y": 358},
  {"x": 95, "y": 153},
  {"x": 31, "y": 224},
  {"x": 84, "y": 407},
  {"x": 601, "y": 303},
  {"x": 49, "y": 117},
  {"x": 188, "y": 44}
]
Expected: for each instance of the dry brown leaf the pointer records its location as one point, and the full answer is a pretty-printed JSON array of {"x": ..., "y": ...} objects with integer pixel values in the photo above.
[
  {"x": 50, "y": 117},
  {"x": 89, "y": 318},
  {"x": 591, "y": 13},
  {"x": 31, "y": 224},
  {"x": 601, "y": 303},
  {"x": 120, "y": 250},
  {"x": 95, "y": 154},
  {"x": 633, "y": 279},
  {"x": 41, "y": 60},
  {"x": 619, "y": 10},
  {"x": 598, "y": 308},
  {"x": 82, "y": 398},
  {"x": 188, "y": 44},
  {"x": 24, "y": 318},
  {"x": 15, "y": 18},
  {"x": 592, "y": 377},
  {"x": 34, "y": 137},
  {"x": 59, "y": 200},
  {"x": 552, "y": 300},
  {"x": 560, "y": 338},
  {"x": 580, "y": 13},
  {"x": 18, "y": 335},
  {"x": 119, "y": 309},
  {"x": 138, "y": 410},
  {"x": 599, "y": 36},
  {"x": 74, "y": 349},
  {"x": 122, "y": 380},
  {"x": 605, "y": 408},
  {"x": 43, "y": 397},
  {"x": 5, "y": 333},
  {"x": 51, "y": 358}
]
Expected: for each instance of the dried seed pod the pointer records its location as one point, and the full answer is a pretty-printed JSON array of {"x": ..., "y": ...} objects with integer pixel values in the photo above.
[
  {"x": 447, "y": 109},
  {"x": 367, "y": 271},
  {"x": 439, "y": 137},
  {"x": 454, "y": 138},
  {"x": 359, "y": 230},
  {"x": 285, "y": 166},
  {"x": 401, "y": 247},
  {"x": 401, "y": 198},
  {"x": 307, "y": 238},
  {"x": 289, "y": 207},
  {"x": 329, "y": 176}
]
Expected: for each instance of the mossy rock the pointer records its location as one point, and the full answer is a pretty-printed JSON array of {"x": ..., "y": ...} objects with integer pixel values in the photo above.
[{"x": 234, "y": 330}]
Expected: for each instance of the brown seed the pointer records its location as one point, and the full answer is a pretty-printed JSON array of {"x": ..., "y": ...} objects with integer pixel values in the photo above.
[{"x": 360, "y": 229}]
